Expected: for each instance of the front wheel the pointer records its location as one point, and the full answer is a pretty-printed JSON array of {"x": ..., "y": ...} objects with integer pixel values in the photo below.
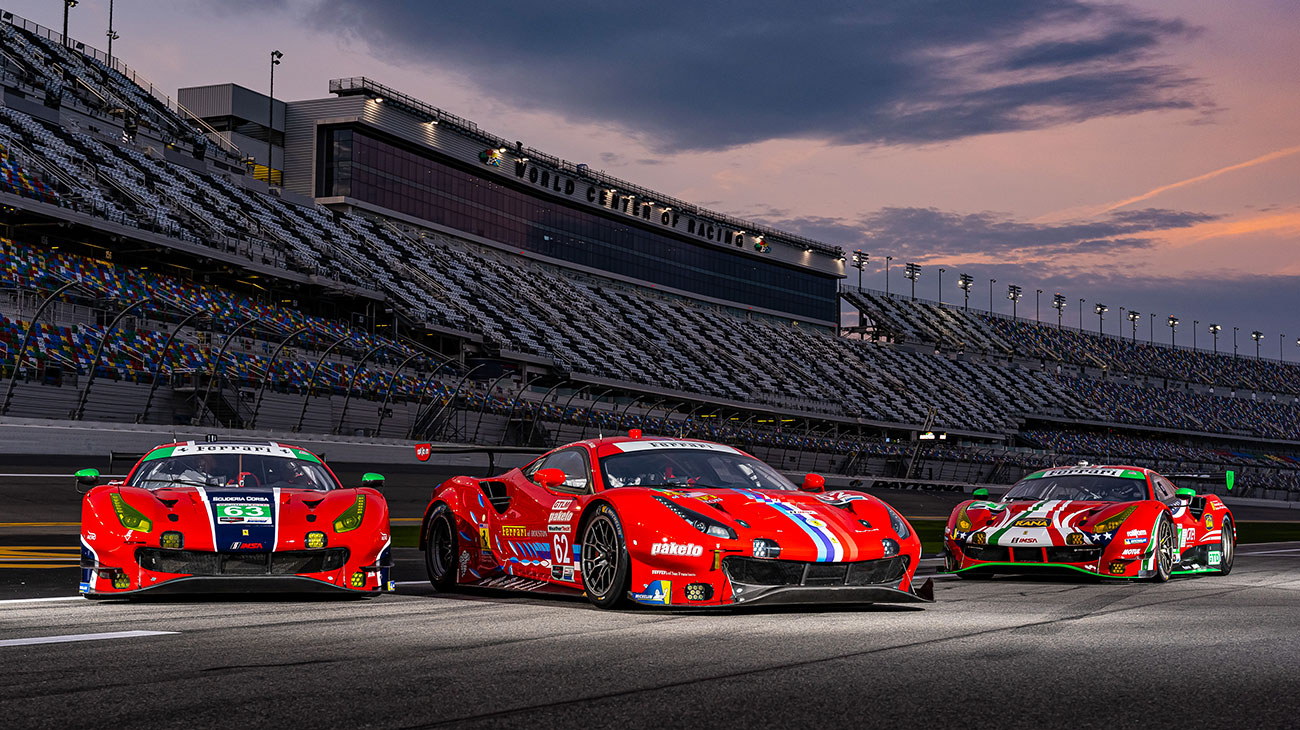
[
  {"x": 1227, "y": 546},
  {"x": 605, "y": 563},
  {"x": 1166, "y": 549},
  {"x": 440, "y": 549}
]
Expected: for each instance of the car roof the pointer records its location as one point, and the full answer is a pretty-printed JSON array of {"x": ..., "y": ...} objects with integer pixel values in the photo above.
[
  {"x": 232, "y": 444},
  {"x": 600, "y": 445}
]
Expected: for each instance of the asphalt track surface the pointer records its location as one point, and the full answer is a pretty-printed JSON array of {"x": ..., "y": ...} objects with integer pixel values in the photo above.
[
  {"x": 1216, "y": 652},
  {"x": 1221, "y": 652}
]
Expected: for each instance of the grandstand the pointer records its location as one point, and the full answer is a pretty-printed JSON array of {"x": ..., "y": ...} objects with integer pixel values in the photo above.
[{"x": 417, "y": 277}]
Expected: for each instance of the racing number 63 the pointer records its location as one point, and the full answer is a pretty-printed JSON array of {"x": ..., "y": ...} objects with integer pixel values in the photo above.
[{"x": 560, "y": 549}]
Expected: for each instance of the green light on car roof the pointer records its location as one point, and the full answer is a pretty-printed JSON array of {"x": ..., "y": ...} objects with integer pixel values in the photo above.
[{"x": 1230, "y": 478}]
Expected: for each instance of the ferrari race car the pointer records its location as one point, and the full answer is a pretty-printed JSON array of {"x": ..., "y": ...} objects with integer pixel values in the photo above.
[
  {"x": 232, "y": 517},
  {"x": 667, "y": 522},
  {"x": 1109, "y": 521}
]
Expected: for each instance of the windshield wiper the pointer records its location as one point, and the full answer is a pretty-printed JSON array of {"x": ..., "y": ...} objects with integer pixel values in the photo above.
[{"x": 178, "y": 480}]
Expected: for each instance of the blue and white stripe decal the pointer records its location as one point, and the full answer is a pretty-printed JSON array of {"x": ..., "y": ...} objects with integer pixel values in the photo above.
[
  {"x": 829, "y": 548},
  {"x": 242, "y": 536},
  {"x": 88, "y": 575}
]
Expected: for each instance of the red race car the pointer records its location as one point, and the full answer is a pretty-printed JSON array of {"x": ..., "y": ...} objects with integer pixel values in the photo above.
[
  {"x": 667, "y": 522},
  {"x": 232, "y": 517},
  {"x": 1110, "y": 521}
]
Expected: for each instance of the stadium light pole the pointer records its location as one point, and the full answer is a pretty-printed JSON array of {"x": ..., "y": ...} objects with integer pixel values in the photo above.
[
  {"x": 1151, "y": 329},
  {"x": 1133, "y": 317},
  {"x": 1257, "y": 336},
  {"x": 67, "y": 5},
  {"x": 964, "y": 281},
  {"x": 1280, "y": 339},
  {"x": 1082, "y": 302},
  {"x": 112, "y": 34},
  {"x": 1195, "y": 323},
  {"x": 1234, "y": 342},
  {"x": 1014, "y": 292},
  {"x": 860, "y": 263},
  {"x": 1173, "y": 331},
  {"x": 887, "y": 260},
  {"x": 1037, "y": 293},
  {"x": 270, "y": 115},
  {"x": 941, "y": 270},
  {"x": 991, "y": 283},
  {"x": 1058, "y": 303},
  {"x": 1121, "y": 322},
  {"x": 1215, "y": 329},
  {"x": 913, "y": 272},
  {"x": 1101, "y": 310}
]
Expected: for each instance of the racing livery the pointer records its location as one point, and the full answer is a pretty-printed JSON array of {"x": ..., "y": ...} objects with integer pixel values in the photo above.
[
  {"x": 232, "y": 517},
  {"x": 667, "y": 522},
  {"x": 1110, "y": 521}
]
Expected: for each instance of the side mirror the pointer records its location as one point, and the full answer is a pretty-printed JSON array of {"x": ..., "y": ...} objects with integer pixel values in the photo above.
[
  {"x": 372, "y": 480},
  {"x": 980, "y": 492},
  {"x": 1185, "y": 493},
  {"x": 814, "y": 483},
  {"x": 549, "y": 478},
  {"x": 87, "y": 477}
]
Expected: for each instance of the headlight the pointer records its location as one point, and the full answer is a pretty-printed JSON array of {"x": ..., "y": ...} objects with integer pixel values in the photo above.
[
  {"x": 172, "y": 540},
  {"x": 899, "y": 524},
  {"x": 764, "y": 548},
  {"x": 891, "y": 547},
  {"x": 351, "y": 518},
  {"x": 1113, "y": 523},
  {"x": 703, "y": 523},
  {"x": 130, "y": 517},
  {"x": 314, "y": 540}
]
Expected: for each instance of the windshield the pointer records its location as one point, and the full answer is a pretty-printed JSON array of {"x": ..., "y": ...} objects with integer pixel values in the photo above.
[
  {"x": 1096, "y": 485},
  {"x": 690, "y": 468},
  {"x": 232, "y": 470}
]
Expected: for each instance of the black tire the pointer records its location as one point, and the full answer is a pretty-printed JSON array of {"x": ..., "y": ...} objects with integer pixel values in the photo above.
[
  {"x": 441, "y": 549},
  {"x": 606, "y": 568},
  {"x": 1227, "y": 547},
  {"x": 1166, "y": 549}
]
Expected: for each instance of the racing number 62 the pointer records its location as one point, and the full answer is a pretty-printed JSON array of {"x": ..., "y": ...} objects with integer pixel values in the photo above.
[{"x": 560, "y": 549}]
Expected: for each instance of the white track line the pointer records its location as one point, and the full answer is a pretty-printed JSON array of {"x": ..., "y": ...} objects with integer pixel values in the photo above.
[
  {"x": 81, "y": 637},
  {"x": 41, "y": 600}
]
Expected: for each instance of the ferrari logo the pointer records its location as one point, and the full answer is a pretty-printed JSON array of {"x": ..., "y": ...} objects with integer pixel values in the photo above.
[{"x": 245, "y": 533}]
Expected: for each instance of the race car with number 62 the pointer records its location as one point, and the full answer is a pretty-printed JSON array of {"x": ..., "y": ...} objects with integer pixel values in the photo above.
[
  {"x": 203, "y": 517},
  {"x": 667, "y": 522},
  {"x": 1108, "y": 521}
]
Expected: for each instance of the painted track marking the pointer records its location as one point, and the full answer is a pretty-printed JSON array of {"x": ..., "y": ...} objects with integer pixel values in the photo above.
[
  {"x": 42, "y": 600},
  {"x": 81, "y": 637}
]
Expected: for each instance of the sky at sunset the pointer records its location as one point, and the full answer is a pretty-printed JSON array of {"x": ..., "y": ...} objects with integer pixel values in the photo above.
[{"x": 1142, "y": 154}]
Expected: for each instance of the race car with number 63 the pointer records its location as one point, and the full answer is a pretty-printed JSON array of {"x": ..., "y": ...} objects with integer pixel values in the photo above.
[
  {"x": 1108, "y": 521},
  {"x": 667, "y": 522},
  {"x": 201, "y": 517}
]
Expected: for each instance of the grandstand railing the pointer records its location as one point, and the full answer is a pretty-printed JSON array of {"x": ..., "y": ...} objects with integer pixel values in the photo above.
[{"x": 127, "y": 72}]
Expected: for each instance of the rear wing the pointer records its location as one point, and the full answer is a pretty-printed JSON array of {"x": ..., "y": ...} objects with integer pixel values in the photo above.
[
  {"x": 424, "y": 451},
  {"x": 1227, "y": 478}
]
